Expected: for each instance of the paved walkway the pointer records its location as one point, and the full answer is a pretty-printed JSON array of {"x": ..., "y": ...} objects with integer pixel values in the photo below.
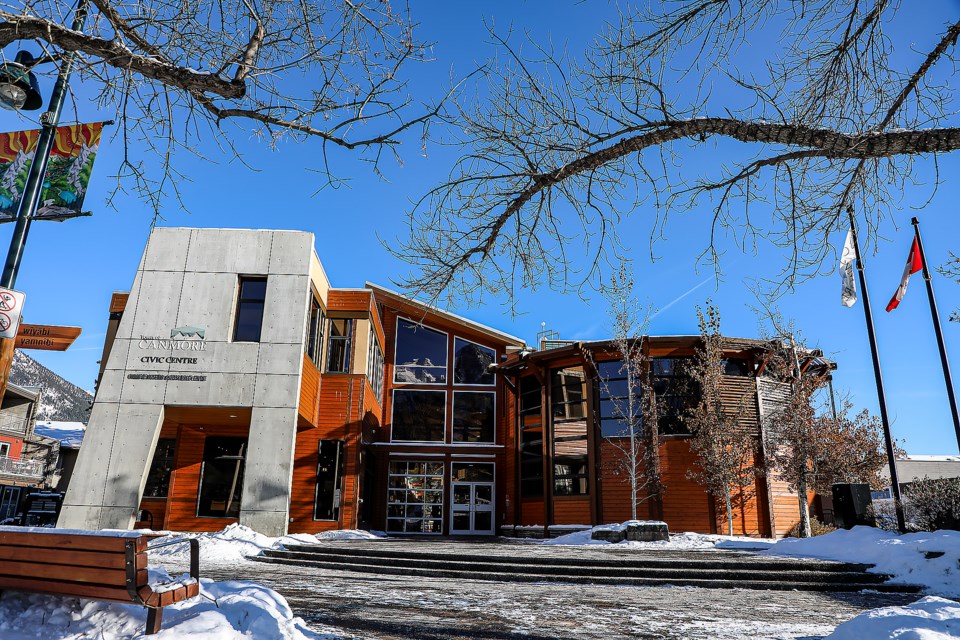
[
  {"x": 360, "y": 606},
  {"x": 353, "y": 605}
]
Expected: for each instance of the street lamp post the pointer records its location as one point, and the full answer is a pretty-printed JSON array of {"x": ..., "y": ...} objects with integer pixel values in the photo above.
[{"x": 18, "y": 90}]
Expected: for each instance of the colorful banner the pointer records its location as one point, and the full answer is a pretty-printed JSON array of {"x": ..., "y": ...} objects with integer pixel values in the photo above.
[{"x": 68, "y": 171}]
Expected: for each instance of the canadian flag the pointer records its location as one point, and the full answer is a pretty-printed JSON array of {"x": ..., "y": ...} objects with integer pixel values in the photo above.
[{"x": 914, "y": 264}]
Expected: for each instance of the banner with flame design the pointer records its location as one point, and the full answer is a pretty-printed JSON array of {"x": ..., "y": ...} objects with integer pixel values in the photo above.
[{"x": 68, "y": 171}]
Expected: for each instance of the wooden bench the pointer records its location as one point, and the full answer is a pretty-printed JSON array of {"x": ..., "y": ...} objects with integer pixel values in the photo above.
[{"x": 98, "y": 565}]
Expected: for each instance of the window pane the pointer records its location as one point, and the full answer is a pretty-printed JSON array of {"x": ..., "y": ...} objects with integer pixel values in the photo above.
[
  {"x": 531, "y": 439},
  {"x": 249, "y": 321},
  {"x": 471, "y": 363},
  {"x": 568, "y": 395},
  {"x": 338, "y": 349},
  {"x": 329, "y": 474},
  {"x": 158, "y": 480},
  {"x": 473, "y": 417},
  {"x": 421, "y": 354},
  {"x": 472, "y": 472},
  {"x": 253, "y": 289},
  {"x": 221, "y": 478},
  {"x": 418, "y": 415}
]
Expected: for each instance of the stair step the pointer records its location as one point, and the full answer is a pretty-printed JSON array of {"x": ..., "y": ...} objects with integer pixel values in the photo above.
[
  {"x": 730, "y": 561},
  {"x": 717, "y": 583},
  {"x": 797, "y": 572}
]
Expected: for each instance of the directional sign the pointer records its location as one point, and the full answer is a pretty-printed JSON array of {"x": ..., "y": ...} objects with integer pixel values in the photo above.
[
  {"x": 45, "y": 337},
  {"x": 11, "y": 306}
]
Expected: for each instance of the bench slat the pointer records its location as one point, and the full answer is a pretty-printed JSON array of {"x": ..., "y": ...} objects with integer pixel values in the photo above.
[
  {"x": 64, "y": 573},
  {"x": 101, "y": 559},
  {"x": 75, "y": 589},
  {"x": 73, "y": 542}
]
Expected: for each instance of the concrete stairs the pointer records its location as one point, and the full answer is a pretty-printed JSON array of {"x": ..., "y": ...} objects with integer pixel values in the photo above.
[{"x": 509, "y": 563}]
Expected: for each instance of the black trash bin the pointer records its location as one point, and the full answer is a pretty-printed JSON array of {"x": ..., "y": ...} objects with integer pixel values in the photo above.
[{"x": 851, "y": 506}]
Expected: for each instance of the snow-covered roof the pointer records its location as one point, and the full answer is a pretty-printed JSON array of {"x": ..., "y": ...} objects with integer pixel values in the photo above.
[{"x": 70, "y": 434}]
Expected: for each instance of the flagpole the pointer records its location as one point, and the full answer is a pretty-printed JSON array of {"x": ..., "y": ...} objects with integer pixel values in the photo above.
[
  {"x": 947, "y": 378},
  {"x": 888, "y": 438}
]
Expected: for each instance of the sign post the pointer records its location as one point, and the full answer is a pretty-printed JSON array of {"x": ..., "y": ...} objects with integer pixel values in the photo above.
[{"x": 11, "y": 309}]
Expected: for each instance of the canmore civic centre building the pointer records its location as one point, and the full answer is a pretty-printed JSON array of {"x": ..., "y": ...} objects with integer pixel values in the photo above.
[{"x": 237, "y": 385}]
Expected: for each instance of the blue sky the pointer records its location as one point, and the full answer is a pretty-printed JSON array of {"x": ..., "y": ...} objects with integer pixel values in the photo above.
[{"x": 71, "y": 268}]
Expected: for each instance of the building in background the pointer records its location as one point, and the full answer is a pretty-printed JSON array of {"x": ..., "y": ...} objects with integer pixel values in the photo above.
[
  {"x": 28, "y": 460},
  {"x": 238, "y": 385}
]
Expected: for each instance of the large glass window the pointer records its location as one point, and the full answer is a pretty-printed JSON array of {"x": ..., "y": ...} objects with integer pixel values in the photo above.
[
  {"x": 676, "y": 393},
  {"x": 315, "y": 332},
  {"x": 329, "y": 480},
  {"x": 471, "y": 363},
  {"x": 221, "y": 477},
  {"x": 474, "y": 416},
  {"x": 375, "y": 366},
  {"x": 421, "y": 355},
  {"x": 531, "y": 438},
  {"x": 249, "y": 321},
  {"x": 568, "y": 388},
  {"x": 338, "y": 349},
  {"x": 158, "y": 479},
  {"x": 615, "y": 409},
  {"x": 419, "y": 416},
  {"x": 415, "y": 497}
]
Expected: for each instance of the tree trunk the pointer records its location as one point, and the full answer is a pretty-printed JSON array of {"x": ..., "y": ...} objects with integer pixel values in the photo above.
[
  {"x": 726, "y": 497},
  {"x": 804, "y": 510}
]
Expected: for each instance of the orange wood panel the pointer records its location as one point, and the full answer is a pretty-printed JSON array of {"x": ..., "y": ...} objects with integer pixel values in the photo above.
[
  {"x": 571, "y": 510},
  {"x": 344, "y": 401},
  {"x": 309, "y": 392},
  {"x": 118, "y": 302},
  {"x": 348, "y": 300},
  {"x": 686, "y": 506},
  {"x": 181, "y": 514},
  {"x": 531, "y": 512}
]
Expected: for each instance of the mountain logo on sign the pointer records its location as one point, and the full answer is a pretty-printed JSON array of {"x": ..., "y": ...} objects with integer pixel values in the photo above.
[{"x": 189, "y": 331}]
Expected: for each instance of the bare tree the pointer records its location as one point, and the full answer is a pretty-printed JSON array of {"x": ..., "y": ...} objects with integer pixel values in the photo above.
[
  {"x": 183, "y": 73},
  {"x": 850, "y": 449},
  {"x": 726, "y": 450},
  {"x": 828, "y": 111},
  {"x": 795, "y": 441},
  {"x": 952, "y": 270},
  {"x": 630, "y": 389}
]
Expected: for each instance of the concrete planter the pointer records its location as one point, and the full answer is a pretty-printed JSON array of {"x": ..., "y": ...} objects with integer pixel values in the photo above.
[{"x": 636, "y": 530}]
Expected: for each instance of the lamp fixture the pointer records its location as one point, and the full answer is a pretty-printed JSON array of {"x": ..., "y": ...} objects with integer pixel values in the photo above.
[{"x": 19, "y": 90}]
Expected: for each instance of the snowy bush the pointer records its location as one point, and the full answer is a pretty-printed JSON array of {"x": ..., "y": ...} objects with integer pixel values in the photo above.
[
  {"x": 933, "y": 504},
  {"x": 817, "y": 528}
]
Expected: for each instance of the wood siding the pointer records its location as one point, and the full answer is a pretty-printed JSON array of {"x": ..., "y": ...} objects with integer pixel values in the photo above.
[{"x": 309, "y": 407}]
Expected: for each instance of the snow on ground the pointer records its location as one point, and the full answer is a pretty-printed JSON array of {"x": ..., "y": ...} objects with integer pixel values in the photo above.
[
  {"x": 233, "y": 544},
  {"x": 929, "y": 559},
  {"x": 225, "y": 611},
  {"x": 677, "y": 542},
  {"x": 930, "y": 618}
]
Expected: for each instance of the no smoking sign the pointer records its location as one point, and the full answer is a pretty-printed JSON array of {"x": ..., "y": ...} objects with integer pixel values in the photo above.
[{"x": 11, "y": 306}]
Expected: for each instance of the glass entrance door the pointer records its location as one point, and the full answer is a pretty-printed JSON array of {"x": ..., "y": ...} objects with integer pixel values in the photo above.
[{"x": 472, "y": 508}]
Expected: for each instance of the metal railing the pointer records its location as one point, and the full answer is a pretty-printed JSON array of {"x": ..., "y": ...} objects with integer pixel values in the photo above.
[
  {"x": 20, "y": 467},
  {"x": 13, "y": 423}
]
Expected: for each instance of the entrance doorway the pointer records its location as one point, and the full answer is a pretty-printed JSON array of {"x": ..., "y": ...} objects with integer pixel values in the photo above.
[{"x": 472, "y": 510}]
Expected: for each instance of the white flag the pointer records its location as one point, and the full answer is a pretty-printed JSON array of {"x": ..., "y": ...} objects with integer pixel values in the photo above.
[{"x": 848, "y": 294}]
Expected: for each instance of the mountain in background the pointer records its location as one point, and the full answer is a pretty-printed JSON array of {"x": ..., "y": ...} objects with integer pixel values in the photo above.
[{"x": 60, "y": 400}]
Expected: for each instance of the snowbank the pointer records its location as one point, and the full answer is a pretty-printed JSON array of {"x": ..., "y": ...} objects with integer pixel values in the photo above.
[
  {"x": 931, "y": 560},
  {"x": 678, "y": 541},
  {"x": 233, "y": 544},
  {"x": 242, "y": 610},
  {"x": 930, "y": 618}
]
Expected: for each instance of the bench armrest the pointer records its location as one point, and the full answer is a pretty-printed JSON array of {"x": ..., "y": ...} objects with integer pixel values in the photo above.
[{"x": 194, "y": 553}]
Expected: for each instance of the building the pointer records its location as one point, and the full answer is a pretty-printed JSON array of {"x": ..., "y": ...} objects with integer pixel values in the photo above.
[
  {"x": 27, "y": 459},
  {"x": 238, "y": 385}
]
